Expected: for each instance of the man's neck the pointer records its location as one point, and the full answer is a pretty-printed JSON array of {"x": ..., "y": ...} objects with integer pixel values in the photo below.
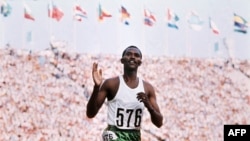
[{"x": 130, "y": 76}]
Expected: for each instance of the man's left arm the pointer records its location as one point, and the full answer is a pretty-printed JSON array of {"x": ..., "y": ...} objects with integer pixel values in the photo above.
[
  {"x": 150, "y": 103},
  {"x": 154, "y": 110}
]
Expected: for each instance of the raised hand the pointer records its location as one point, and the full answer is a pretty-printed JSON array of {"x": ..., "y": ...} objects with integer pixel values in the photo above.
[{"x": 96, "y": 74}]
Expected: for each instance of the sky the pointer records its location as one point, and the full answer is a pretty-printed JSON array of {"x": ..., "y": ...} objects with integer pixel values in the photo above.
[{"x": 111, "y": 36}]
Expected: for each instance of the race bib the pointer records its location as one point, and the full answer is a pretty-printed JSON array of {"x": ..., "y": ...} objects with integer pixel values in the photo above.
[{"x": 109, "y": 136}]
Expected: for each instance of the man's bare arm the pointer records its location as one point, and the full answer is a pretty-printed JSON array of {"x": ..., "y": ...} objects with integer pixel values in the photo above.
[
  {"x": 149, "y": 100},
  {"x": 96, "y": 101},
  {"x": 98, "y": 95}
]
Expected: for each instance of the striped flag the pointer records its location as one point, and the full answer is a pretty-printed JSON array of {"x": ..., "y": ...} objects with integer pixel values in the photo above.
[
  {"x": 149, "y": 18},
  {"x": 216, "y": 46},
  {"x": 124, "y": 15},
  {"x": 102, "y": 13},
  {"x": 195, "y": 21},
  {"x": 172, "y": 19},
  {"x": 5, "y": 8},
  {"x": 240, "y": 24},
  {"x": 213, "y": 27},
  {"x": 27, "y": 13},
  {"x": 79, "y": 13},
  {"x": 54, "y": 12},
  {"x": 29, "y": 37}
]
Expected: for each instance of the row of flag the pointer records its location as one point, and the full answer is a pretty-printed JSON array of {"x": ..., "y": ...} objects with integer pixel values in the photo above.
[{"x": 194, "y": 20}]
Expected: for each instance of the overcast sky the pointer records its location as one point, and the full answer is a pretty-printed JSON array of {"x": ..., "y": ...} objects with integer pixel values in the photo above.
[{"x": 112, "y": 36}]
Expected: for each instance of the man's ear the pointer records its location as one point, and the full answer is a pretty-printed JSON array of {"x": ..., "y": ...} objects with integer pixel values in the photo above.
[
  {"x": 122, "y": 60},
  {"x": 140, "y": 63}
]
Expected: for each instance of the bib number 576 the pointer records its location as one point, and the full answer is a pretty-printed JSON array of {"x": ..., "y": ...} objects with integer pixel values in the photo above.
[{"x": 121, "y": 113}]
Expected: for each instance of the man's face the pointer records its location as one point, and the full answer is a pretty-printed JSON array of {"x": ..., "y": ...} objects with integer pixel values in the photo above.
[{"x": 132, "y": 58}]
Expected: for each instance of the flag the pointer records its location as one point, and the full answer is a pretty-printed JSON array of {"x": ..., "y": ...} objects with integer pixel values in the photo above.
[
  {"x": 27, "y": 13},
  {"x": 5, "y": 8},
  {"x": 79, "y": 13},
  {"x": 240, "y": 24},
  {"x": 29, "y": 37},
  {"x": 149, "y": 18},
  {"x": 195, "y": 21},
  {"x": 172, "y": 19},
  {"x": 216, "y": 46},
  {"x": 102, "y": 13},
  {"x": 124, "y": 15},
  {"x": 55, "y": 12},
  {"x": 213, "y": 26}
]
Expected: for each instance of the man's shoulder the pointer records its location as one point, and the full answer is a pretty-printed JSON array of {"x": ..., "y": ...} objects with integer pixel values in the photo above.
[
  {"x": 145, "y": 82},
  {"x": 111, "y": 85},
  {"x": 112, "y": 80},
  {"x": 147, "y": 85}
]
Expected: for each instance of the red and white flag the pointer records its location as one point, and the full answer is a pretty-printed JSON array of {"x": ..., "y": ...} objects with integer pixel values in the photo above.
[
  {"x": 213, "y": 27},
  {"x": 149, "y": 18},
  {"x": 79, "y": 13},
  {"x": 55, "y": 12},
  {"x": 102, "y": 13},
  {"x": 27, "y": 13}
]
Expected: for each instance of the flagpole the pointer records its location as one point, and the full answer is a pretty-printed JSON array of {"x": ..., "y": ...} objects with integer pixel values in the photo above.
[
  {"x": 74, "y": 35},
  {"x": 23, "y": 28},
  {"x": 3, "y": 33},
  {"x": 25, "y": 33},
  {"x": 166, "y": 42},
  {"x": 49, "y": 17},
  {"x": 187, "y": 43},
  {"x": 212, "y": 50},
  {"x": 144, "y": 31},
  {"x": 74, "y": 29}
]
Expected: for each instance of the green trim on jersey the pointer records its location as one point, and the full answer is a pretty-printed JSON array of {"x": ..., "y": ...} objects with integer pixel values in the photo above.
[{"x": 121, "y": 134}]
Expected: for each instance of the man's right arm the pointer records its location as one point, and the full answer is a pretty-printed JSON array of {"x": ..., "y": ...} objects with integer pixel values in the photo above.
[
  {"x": 96, "y": 100},
  {"x": 99, "y": 93}
]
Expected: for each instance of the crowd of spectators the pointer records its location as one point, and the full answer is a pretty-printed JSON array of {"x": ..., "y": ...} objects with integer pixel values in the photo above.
[{"x": 43, "y": 96}]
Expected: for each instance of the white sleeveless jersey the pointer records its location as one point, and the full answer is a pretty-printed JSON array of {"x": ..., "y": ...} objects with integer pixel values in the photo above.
[{"x": 124, "y": 110}]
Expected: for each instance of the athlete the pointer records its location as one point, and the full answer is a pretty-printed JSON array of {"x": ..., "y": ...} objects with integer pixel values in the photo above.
[{"x": 127, "y": 95}]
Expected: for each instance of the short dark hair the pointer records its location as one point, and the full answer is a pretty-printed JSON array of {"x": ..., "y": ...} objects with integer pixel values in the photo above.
[{"x": 132, "y": 46}]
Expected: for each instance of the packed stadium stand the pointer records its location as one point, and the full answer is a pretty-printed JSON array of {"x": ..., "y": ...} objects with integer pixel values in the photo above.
[{"x": 43, "y": 96}]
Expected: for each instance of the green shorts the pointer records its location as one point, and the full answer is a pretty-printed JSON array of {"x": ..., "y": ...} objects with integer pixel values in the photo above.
[{"x": 112, "y": 133}]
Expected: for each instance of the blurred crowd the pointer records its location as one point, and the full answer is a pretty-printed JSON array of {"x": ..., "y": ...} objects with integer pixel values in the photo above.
[{"x": 43, "y": 96}]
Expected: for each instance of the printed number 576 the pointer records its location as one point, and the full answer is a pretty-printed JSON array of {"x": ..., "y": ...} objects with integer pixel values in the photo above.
[{"x": 129, "y": 113}]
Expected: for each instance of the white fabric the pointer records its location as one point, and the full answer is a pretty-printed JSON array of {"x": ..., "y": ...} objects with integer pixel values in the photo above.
[{"x": 124, "y": 110}]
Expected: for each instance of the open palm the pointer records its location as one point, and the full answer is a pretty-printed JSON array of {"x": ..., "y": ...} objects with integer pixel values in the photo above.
[{"x": 97, "y": 74}]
